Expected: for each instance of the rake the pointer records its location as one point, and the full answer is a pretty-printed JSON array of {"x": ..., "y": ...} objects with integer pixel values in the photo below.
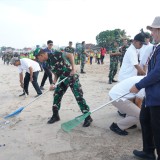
[
  {"x": 68, "y": 126},
  {"x": 19, "y": 110}
]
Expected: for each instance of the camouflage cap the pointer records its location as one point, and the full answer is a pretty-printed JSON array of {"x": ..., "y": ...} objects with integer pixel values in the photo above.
[
  {"x": 36, "y": 52},
  {"x": 147, "y": 35}
]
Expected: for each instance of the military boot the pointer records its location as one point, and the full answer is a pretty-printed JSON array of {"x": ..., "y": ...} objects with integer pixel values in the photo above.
[
  {"x": 87, "y": 122},
  {"x": 82, "y": 71},
  {"x": 55, "y": 117},
  {"x": 110, "y": 81}
]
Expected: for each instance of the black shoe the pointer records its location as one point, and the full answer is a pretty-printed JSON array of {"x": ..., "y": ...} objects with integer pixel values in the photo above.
[
  {"x": 54, "y": 119},
  {"x": 23, "y": 94},
  {"x": 41, "y": 88},
  {"x": 114, "y": 80},
  {"x": 133, "y": 127},
  {"x": 110, "y": 81},
  {"x": 37, "y": 95},
  {"x": 144, "y": 155},
  {"x": 121, "y": 114},
  {"x": 87, "y": 121},
  {"x": 114, "y": 127}
]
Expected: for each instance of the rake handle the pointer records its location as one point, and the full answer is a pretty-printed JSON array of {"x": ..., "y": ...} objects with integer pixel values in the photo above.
[
  {"x": 109, "y": 102},
  {"x": 45, "y": 92}
]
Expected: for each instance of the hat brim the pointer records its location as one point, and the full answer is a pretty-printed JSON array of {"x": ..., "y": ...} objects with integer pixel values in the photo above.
[{"x": 150, "y": 27}]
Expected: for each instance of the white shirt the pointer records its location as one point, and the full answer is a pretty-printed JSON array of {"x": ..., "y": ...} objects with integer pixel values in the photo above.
[
  {"x": 143, "y": 51},
  {"x": 130, "y": 59},
  {"x": 124, "y": 86},
  {"x": 26, "y": 63},
  {"x": 145, "y": 57}
]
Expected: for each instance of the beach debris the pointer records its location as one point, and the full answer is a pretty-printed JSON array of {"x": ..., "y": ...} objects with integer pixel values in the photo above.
[{"x": 2, "y": 145}]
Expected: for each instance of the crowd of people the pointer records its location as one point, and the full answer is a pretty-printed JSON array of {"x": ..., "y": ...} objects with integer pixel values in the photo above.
[
  {"x": 139, "y": 77},
  {"x": 138, "y": 80}
]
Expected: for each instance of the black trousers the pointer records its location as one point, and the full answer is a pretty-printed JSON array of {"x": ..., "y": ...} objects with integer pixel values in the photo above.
[
  {"x": 102, "y": 58},
  {"x": 47, "y": 74},
  {"x": 34, "y": 82},
  {"x": 150, "y": 123}
]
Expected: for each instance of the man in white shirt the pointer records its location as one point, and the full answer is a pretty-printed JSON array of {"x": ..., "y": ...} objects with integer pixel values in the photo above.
[
  {"x": 130, "y": 104},
  {"x": 130, "y": 65},
  {"x": 32, "y": 69},
  {"x": 145, "y": 53}
]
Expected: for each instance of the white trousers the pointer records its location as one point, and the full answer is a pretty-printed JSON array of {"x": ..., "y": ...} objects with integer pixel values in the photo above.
[{"x": 132, "y": 113}]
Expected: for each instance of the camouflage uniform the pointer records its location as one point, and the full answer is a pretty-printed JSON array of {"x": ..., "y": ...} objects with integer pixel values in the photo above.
[
  {"x": 7, "y": 57},
  {"x": 60, "y": 66},
  {"x": 123, "y": 51},
  {"x": 83, "y": 58},
  {"x": 69, "y": 49},
  {"x": 113, "y": 63}
]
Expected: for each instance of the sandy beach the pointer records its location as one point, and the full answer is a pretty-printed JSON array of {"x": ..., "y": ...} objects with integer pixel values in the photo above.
[{"x": 29, "y": 137}]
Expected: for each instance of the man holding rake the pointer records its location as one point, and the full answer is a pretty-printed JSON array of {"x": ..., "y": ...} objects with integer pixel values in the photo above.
[{"x": 62, "y": 65}]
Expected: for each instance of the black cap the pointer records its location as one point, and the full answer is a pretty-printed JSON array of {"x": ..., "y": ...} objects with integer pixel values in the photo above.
[{"x": 140, "y": 37}]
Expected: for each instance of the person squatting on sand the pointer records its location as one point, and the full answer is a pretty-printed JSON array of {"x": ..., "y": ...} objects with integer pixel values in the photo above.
[
  {"x": 150, "y": 111},
  {"x": 32, "y": 69},
  {"x": 129, "y": 105},
  {"x": 62, "y": 65}
]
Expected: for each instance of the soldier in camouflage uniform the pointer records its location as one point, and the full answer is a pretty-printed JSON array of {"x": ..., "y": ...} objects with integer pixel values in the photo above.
[
  {"x": 7, "y": 57},
  {"x": 83, "y": 57},
  {"x": 114, "y": 56},
  {"x": 61, "y": 64},
  {"x": 123, "y": 50},
  {"x": 69, "y": 49}
]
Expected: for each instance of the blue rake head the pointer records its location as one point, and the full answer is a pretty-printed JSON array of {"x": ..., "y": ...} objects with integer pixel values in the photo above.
[{"x": 15, "y": 113}]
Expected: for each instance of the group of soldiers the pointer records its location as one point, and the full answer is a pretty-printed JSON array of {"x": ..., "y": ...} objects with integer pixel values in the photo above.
[{"x": 6, "y": 57}]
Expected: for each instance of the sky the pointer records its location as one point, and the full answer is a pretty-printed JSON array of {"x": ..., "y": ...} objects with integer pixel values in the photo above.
[{"x": 27, "y": 23}]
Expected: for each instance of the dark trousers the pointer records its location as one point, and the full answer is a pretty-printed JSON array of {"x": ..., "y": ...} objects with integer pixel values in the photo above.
[
  {"x": 98, "y": 60},
  {"x": 150, "y": 123},
  {"x": 34, "y": 82},
  {"x": 102, "y": 58},
  {"x": 91, "y": 58},
  {"x": 47, "y": 74}
]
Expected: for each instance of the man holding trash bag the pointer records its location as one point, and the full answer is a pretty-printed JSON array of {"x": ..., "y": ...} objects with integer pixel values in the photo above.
[{"x": 62, "y": 65}]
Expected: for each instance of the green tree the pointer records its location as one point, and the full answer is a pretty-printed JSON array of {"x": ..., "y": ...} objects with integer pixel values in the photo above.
[{"x": 106, "y": 38}]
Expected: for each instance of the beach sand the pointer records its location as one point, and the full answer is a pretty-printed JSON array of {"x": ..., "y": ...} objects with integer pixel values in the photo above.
[{"x": 29, "y": 137}]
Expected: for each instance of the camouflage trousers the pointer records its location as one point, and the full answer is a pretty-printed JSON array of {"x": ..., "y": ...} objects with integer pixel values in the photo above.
[
  {"x": 74, "y": 84},
  {"x": 6, "y": 60},
  {"x": 113, "y": 70},
  {"x": 83, "y": 60},
  {"x": 121, "y": 59}
]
